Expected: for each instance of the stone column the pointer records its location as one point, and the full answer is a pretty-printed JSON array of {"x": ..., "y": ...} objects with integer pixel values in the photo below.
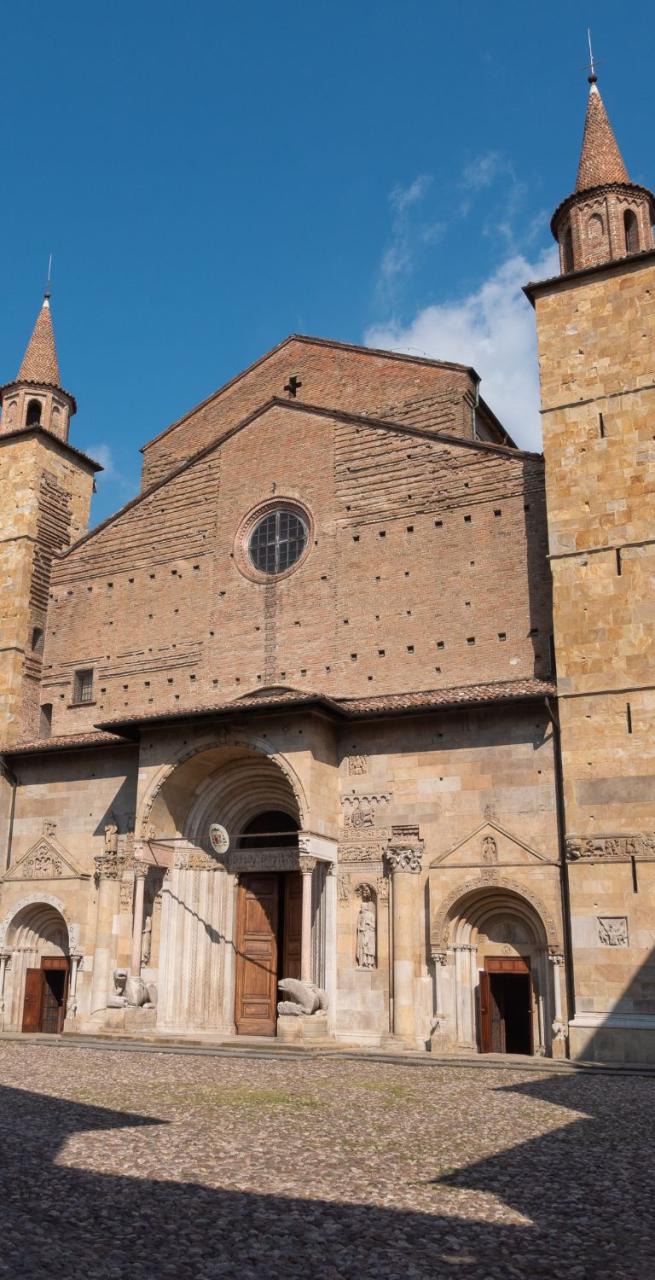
[
  {"x": 560, "y": 1030},
  {"x": 307, "y": 866},
  {"x": 109, "y": 867},
  {"x": 440, "y": 960},
  {"x": 405, "y": 864},
  {"x": 140, "y": 873},
  {"x": 5, "y": 957},
  {"x": 75, "y": 958}
]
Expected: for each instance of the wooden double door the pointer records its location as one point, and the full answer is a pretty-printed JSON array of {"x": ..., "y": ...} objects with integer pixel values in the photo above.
[
  {"x": 269, "y": 935},
  {"x": 506, "y": 1006},
  {"x": 46, "y": 991}
]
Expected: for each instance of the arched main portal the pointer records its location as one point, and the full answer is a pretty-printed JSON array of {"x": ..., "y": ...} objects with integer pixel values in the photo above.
[
  {"x": 497, "y": 982},
  {"x": 233, "y": 923},
  {"x": 37, "y": 951}
]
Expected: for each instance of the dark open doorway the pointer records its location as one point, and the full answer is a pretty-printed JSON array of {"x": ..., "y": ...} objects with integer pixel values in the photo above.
[
  {"x": 46, "y": 988},
  {"x": 506, "y": 1007}
]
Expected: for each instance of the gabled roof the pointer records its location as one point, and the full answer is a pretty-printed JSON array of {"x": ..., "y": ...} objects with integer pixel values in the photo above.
[
  {"x": 40, "y": 362},
  {"x": 601, "y": 161},
  {"x": 300, "y": 406},
  {"x": 312, "y": 342}
]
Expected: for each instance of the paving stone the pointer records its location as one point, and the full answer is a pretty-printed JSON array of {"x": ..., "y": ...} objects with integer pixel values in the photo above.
[{"x": 161, "y": 1164}]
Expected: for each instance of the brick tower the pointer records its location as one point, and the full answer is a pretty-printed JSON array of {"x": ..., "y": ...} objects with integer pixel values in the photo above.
[
  {"x": 45, "y": 488},
  {"x": 596, "y": 334}
]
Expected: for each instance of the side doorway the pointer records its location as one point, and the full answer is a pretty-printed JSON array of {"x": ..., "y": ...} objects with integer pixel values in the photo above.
[
  {"x": 506, "y": 1006},
  {"x": 46, "y": 992}
]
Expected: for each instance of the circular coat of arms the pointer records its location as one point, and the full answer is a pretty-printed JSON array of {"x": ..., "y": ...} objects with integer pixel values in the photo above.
[{"x": 218, "y": 838}]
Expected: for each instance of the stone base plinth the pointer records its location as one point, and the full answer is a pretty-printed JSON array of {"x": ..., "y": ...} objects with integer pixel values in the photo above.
[
  {"x": 305, "y": 1029},
  {"x": 130, "y": 1021},
  {"x": 609, "y": 1041}
]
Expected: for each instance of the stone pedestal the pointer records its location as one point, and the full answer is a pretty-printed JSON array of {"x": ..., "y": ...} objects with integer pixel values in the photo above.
[{"x": 302, "y": 1030}]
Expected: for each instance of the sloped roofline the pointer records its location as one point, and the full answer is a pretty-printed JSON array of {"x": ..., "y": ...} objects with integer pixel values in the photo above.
[
  {"x": 299, "y": 406},
  {"x": 313, "y": 342},
  {"x": 535, "y": 287},
  {"x": 39, "y": 430}
]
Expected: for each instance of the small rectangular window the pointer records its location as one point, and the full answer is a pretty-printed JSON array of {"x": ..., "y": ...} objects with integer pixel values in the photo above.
[
  {"x": 45, "y": 727},
  {"x": 83, "y": 686}
]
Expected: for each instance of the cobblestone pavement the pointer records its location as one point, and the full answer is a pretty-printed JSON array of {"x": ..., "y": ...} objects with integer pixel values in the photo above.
[{"x": 149, "y": 1165}]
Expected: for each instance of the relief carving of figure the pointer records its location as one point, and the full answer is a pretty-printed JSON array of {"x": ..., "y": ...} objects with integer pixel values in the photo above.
[
  {"x": 146, "y": 940},
  {"x": 111, "y": 837},
  {"x": 366, "y": 929},
  {"x": 489, "y": 850}
]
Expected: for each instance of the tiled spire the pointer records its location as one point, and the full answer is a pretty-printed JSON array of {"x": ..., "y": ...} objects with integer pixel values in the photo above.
[
  {"x": 600, "y": 159},
  {"x": 40, "y": 359}
]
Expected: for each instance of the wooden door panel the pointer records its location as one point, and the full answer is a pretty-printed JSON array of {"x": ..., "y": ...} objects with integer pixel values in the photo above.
[
  {"x": 507, "y": 964},
  {"x": 256, "y": 975},
  {"x": 292, "y": 948},
  {"x": 497, "y": 1014},
  {"x": 33, "y": 1000},
  {"x": 485, "y": 1013}
]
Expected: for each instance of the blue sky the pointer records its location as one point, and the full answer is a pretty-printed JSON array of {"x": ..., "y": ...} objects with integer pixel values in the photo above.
[{"x": 211, "y": 177}]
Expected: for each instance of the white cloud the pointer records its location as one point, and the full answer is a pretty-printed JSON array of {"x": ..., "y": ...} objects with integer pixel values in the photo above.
[
  {"x": 483, "y": 170},
  {"x": 402, "y": 198},
  {"x": 398, "y": 257},
  {"x": 492, "y": 329},
  {"x": 103, "y": 454}
]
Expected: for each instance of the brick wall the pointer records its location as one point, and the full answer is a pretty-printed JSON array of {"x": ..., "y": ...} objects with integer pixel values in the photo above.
[
  {"x": 427, "y": 569},
  {"x": 417, "y": 392}
]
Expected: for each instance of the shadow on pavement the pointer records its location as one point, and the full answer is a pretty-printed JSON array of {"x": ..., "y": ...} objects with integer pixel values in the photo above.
[{"x": 588, "y": 1189}]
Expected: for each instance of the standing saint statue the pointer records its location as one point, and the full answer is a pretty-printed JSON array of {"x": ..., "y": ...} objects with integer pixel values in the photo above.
[{"x": 366, "y": 930}]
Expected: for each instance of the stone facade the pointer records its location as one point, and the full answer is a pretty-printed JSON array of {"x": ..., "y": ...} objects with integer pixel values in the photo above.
[{"x": 338, "y": 755}]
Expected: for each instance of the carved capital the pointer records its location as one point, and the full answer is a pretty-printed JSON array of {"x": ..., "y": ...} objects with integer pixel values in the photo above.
[
  {"x": 556, "y": 958},
  {"x": 109, "y": 866},
  {"x": 440, "y": 957},
  {"x": 306, "y": 864},
  {"x": 140, "y": 869},
  {"x": 404, "y": 858}
]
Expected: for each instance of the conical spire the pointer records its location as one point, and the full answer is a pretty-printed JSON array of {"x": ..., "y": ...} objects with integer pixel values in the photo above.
[
  {"x": 601, "y": 161},
  {"x": 40, "y": 359}
]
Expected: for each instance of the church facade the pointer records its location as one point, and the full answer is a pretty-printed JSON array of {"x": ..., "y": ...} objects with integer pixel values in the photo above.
[{"x": 355, "y": 697}]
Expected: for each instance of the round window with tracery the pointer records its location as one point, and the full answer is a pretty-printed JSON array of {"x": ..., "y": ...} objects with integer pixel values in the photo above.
[{"x": 277, "y": 541}]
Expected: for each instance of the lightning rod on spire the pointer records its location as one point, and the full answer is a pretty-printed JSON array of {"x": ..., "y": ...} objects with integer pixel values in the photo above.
[
  {"x": 48, "y": 287},
  {"x": 592, "y": 77}
]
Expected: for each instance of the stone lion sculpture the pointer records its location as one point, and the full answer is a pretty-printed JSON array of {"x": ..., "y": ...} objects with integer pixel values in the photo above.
[{"x": 306, "y": 998}]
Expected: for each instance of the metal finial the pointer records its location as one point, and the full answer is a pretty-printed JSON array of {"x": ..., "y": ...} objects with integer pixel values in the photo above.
[
  {"x": 592, "y": 77},
  {"x": 48, "y": 287}
]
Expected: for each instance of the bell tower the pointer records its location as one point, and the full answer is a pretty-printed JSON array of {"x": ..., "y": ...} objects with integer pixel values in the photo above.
[
  {"x": 596, "y": 338},
  {"x": 607, "y": 216},
  {"x": 45, "y": 495}
]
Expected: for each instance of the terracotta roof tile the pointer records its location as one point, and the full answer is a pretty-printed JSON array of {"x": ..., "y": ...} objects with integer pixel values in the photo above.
[
  {"x": 40, "y": 360},
  {"x": 354, "y": 708},
  {"x": 600, "y": 158}
]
